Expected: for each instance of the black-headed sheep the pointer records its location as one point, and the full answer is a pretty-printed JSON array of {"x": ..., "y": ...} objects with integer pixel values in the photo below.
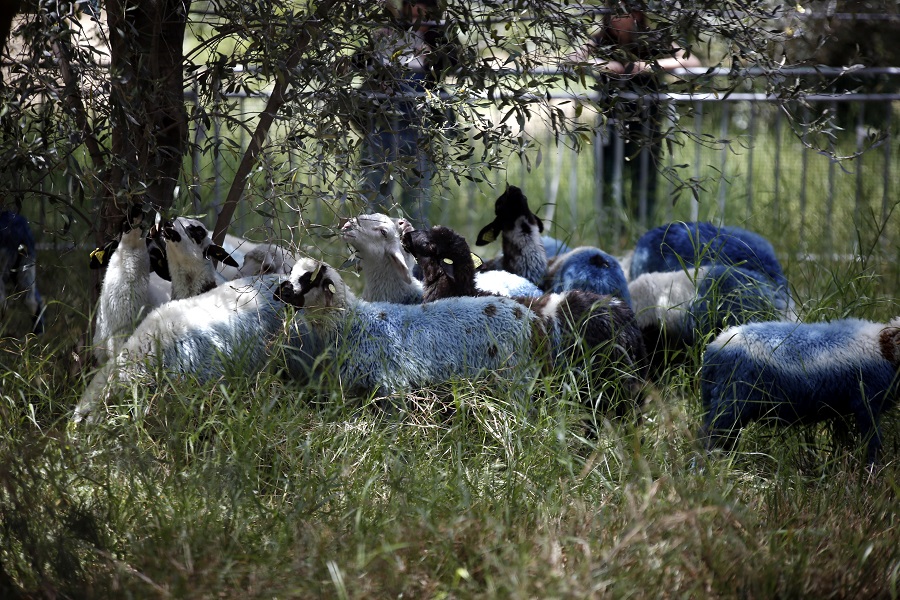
[{"x": 523, "y": 246}]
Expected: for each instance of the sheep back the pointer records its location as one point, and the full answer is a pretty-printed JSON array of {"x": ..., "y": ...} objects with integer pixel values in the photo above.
[
  {"x": 385, "y": 348},
  {"x": 799, "y": 373},
  {"x": 588, "y": 269},
  {"x": 18, "y": 259},
  {"x": 674, "y": 246}
]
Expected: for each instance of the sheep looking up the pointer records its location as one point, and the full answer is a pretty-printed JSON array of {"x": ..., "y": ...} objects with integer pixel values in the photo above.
[
  {"x": 376, "y": 239},
  {"x": 18, "y": 258},
  {"x": 384, "y": 348},
  {"x": 523, "y": 246},
  {"x": 800, "y": 373},
  {"x": 188, "y": 251}
]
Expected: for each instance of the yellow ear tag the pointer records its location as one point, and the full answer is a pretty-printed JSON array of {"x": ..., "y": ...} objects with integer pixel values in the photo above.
[
  {"x": 331, "y": 288},
  {"x": 489, "y": 236},
  {"x": 448, "y": 261},
  {"x": 477, "y": 260},
  {"x": 98, "y": 253}
]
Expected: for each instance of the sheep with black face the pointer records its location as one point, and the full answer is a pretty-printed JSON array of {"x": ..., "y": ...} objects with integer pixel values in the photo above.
[{"x": 520, "y": 229}]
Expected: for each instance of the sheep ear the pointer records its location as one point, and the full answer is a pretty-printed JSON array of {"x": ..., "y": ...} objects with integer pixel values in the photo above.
[
  {"x": 221, "y": 254},
  {"x": 396, "y": 258},
  {"x": 488, "y": 234},
  {"x": 540, "y": 223},
  {"x": 100, "y": 256},
  {"x": 447, "y": 266},
  {"x": 476, "y": 260}
]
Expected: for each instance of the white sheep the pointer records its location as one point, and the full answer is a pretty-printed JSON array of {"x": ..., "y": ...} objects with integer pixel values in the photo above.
[
  {"x": 386, "y": 265},
  {"x": 125, "y": 294},
  {"x": 254, "y": 258},
  {"x": 800, "y": 373},
  {"x": 384, "y": 348},
  {"x": 188, "y": 251},
  {"x": 229, "y": 329}
]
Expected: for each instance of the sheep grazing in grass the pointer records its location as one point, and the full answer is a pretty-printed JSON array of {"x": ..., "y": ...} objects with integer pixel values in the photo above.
[
  {"x": 18, "y": 266},
  {"x": 188, "y": 251},
  {"x": 584, "y": 328},
  {"x": 389, "y": 278},
  {"x": 589, "y": 269},
  {"x": 676, "y": 310},
  {"x": 795, "y": 373},
  {"x": 523, "y": 246},
  {"x": 384, "y": 348},
  {"x": 229, "y": 330}
]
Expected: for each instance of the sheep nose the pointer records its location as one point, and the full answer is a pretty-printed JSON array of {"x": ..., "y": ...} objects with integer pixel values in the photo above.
[
  {"x": 285, "y": 293},
  {"x": 348, "y": 224}
]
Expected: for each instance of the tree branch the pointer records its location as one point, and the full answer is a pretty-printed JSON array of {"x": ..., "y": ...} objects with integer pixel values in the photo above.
[{"x": 276, "y": 100}]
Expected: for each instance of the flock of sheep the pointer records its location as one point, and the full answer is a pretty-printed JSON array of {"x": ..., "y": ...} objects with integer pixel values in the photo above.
[{"x": 430, "y": 312}]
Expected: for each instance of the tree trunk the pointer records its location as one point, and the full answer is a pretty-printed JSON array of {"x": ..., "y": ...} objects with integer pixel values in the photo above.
[{"x": 149, "y": 120}]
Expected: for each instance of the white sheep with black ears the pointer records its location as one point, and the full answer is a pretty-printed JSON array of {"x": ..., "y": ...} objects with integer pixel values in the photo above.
[
  {"x": 188, "y": 251},
  {"x": 232, "y": 328},
  {"x": 523, "y": 246},
  {"x": 384, "y": 348}
]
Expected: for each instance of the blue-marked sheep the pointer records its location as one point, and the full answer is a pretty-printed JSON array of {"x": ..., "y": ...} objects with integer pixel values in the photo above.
[
  {"x": 800, "y": 373},
  {"x": 189, "y": 249},
  {"x": 230, "y": 329},
  {"x": 523, "y": 246},
  {"x": 589, "y": 269},
  {"x": 585, "y": 329},
  {"x": 386, "y": 266},
  {"x": 676, "y": 310},
  {"x": 674, "y": 246},
  {"x": 384, "y": 348},
  {"x": 18, "y": 266}
]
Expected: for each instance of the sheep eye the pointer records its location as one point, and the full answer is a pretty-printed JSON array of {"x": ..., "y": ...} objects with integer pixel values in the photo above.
[{"x": 384, "y": 232}]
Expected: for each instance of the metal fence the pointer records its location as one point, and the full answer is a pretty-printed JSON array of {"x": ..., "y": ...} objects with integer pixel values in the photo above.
[{"x": 738, "y": 159}]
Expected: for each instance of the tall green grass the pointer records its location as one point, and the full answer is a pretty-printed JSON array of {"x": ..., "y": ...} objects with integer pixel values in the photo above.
[{"x": 263, "y": 487}]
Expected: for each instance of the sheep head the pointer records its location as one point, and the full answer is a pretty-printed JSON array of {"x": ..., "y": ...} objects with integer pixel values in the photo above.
[
  {"x": 313, "y": 284},
  {"x": 443, "y": 255},
  {"x": 890, "y": 342},
  {"x": 512, "y": 213},
  {"x": 189, "y": 238},
  {"x": 376, "y": 238}
]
